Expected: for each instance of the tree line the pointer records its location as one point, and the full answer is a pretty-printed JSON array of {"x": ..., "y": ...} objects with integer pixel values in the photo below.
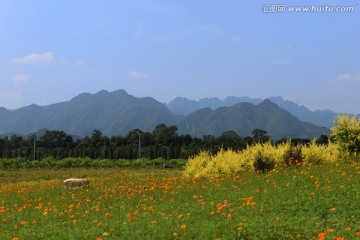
[{"x": 163, "y": 142}]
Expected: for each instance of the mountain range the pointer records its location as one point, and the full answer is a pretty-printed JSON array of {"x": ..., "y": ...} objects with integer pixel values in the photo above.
[
  {"x": 116, "y": 113},
  {"x": 184, "y": 106},
  {"x": 113, "y": 113}
]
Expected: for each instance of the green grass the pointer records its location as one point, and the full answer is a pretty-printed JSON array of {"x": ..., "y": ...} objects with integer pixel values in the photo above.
[{"x": 287, "y": 203}]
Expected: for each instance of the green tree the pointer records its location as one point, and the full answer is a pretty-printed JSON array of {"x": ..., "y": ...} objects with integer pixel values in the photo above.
[
  {"x": 259, "y": 135},
  {"x": 54, "y": 139},
  {"x": 346, "y": 134},
  {"x": 165, "y": 134},
  {"x": 231, "y": 140},
  {"x": 323, "y": 139}
]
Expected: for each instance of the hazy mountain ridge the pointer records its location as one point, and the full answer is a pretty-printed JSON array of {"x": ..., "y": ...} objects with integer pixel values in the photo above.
[
  {"x": 116, "y": 113},
  {"x": 113, "y": 113},
  {"x": 244, "y": 117},
  {"x": 184, "y": 106}
]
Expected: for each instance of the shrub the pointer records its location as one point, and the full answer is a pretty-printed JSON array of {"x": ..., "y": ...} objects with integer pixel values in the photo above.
[
  {"x": 318, "y": 154},
  {"x": 346, "y": 134},
  {"x": 224, "y": 162},
  {"x": 293, "y": 155},
  {"x": 263, "y": 162}
]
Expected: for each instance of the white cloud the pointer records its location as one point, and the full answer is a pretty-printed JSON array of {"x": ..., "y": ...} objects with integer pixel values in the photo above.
[
  {"x": 348, "y": 77},
  {"x": 34, "y": 58},
  {"x": 20, "y": 79},
  {"x": 138, "y": 75},
  {"x": 238, "y": 40},
  {"x": 345, "y": 77},
  {"x": 79, "y": 64}
]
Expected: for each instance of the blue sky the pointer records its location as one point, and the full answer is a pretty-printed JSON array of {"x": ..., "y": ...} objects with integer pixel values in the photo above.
[{"x": 52, "y": 51}]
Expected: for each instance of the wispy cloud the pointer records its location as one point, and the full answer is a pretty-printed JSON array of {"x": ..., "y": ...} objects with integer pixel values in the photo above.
[
  {"x": 238, "y": 40},
  {"x": 349, "y": 77},
  {"x": 79, "y": 64},
  {"x": 20, "y": 79},
  {"x": 137, "y": 75},
  {"x": 34, "y": 58}
]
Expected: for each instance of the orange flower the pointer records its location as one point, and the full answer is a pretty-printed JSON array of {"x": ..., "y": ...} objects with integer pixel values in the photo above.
[
  {"x": 16, "y": 227},
  {"x": 183, "y": 226},
  {"x": 15, "y": 238},
  {"x": 357, "y": 233},
  {"x": 175, "y": 234},
  {"x": 322, "y": 236},
  {"x": 153, "y": 222},
  {"x": 23, "y": 223},
  {"x": 180, "y": 216},
  {"x": 107, "y": 214},
  {"x": 99, "y": 238}
]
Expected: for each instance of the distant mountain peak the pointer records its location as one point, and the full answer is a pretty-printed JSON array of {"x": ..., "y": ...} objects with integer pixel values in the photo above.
[
  {"x": 184, "y": 106},
  {"x": 113, "y": 113},
  {"x": 102, "y": 92},
  {"x": 244, "y": 117}
]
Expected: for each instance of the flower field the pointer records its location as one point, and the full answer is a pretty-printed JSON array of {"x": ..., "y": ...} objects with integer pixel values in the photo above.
[{"x": 306, "y": 202}]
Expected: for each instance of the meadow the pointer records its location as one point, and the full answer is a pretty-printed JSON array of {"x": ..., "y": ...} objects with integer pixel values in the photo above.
[{"x": 288, "y": 202}]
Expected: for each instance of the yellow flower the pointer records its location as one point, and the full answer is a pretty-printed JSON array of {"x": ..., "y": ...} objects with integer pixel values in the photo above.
[{"x": 105, "y": 234}]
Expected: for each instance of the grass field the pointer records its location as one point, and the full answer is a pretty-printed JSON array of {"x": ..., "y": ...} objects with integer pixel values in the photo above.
[{"x": 306, "y": 202}]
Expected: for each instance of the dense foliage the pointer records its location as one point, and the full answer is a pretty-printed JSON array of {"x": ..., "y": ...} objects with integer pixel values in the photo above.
[
  {"x": 163, "y": 142},
  {"x": 346, "y": 134},
  {"x": 260, "y": 157}
]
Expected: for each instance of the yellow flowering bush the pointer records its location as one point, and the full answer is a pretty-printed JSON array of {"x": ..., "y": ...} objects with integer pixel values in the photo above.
[{"x": 319, "y": 154}]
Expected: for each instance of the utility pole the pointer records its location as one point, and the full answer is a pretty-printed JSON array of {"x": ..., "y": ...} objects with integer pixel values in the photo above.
[{"x": 139, "y": 146}]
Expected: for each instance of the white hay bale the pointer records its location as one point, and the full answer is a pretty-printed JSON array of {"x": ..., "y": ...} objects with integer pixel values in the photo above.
[{"x": 76, "y": 183}]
